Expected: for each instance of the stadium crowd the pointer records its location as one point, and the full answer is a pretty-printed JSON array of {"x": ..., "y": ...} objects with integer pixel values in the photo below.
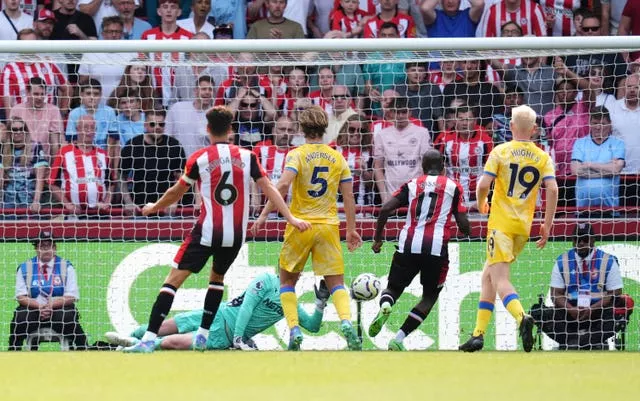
[{"x": 95, "y": 136}]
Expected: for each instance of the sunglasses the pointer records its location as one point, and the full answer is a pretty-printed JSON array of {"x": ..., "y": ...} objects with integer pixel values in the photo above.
[
  {"x": 154, "y": 124},
  {"x": 249, "y": 105},
  {"x": 591, "y": 28},
  {"x": 340, "y": 97},
  {"x": 18, "y": 130},
  {"x": 354, "y": 130}
]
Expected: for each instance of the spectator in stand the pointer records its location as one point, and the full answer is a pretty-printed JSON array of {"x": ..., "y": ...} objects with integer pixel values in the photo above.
[
  {"x": 44, "y": 23},
  {"x": 133, "y": 27},
  {"x": 382, "y": 76},
  {"x": 527, "y": 13},
  {"x": 44, "y": 120},
  {"x": 615, "y": 63},
  {"x": 348, "y": 18},
  {"x": 98, "y": 9},
  {"x": 254, "y": 116},
  {"x": 136, "y": 77},
  {"x": 72, "y": 24},
  {"x": 448, "y": 122},
  {"x": 187, "y": 122},
  {"x": 630, "y": 23},
  {"x": 398, "y": 150},
  {"x": 534, "y": 78},
  {"x": 404, "y": 24},
  {"x": 475, "y": 92},
  {"x": 451, "y": 21},
  {"x": 354, "y": 142},
  {"x": 187, "y": 75},
  {"x": 320, "y": 18},
  {"x": 104, "y": 117},
  {"x": 425, "y": 99},
  {"x": 388, "y": 97},
  {"x": 245, "y": 76},
  {"x": 80, "y": 177},
  {"x": 513, "y": 97},
  {"x": 13, "y": 20},
  {"x": 275, "y": 25},
  {"x": 342, "y": 110},
  {"x": 232, "y": 13},
  {"x": 197, "y": 22},
  {"x": 370, "y": 7},
  {"x": 299, "y": 11},
  {"x": 509, "y": 29},
  {"x": 598, "y": 74},
  {"x": 625, "y": 120},
  {"x": 150, "y": 163},
  {"x": 94, "y": 65},
  {"x": 611, "y": 16},
  {"x": 22, "y": 168},
  {"x": 164, "y": 77},
  {"x": 466, "y": 149},
  {"x": 412, "y": 8},
  {"x": 46, "y": 291},
  {"x": 297, "y": 88},
  {"x": 130, "y": 124},
  {"x": 349, "y": 75},
  {"x": 445, "y": 74},
  {"x": 586, "y": 286},
  {"x": 326, "y": 81},
  {"x": 566, "y": 122},
  {"x": 559, "y": 16},
  {"x": 597, "y": 160}
]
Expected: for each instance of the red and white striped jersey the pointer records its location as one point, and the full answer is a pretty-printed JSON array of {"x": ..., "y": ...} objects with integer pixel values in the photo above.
[
  {"x": 15, "y": 79},
  {"x": 83, "y": 177},
  {"x": 465, "y": 157},
  {"x": 222, "y": 173},
  {"x": 227, "y": 89},
  {"x": 493, "y": 76},
  {"x": 164, "y": 77},
  {"x": 435, "y": 77},
  {"x": 356, "y": 160},
  {"x": 272, "y": 160},
  {"x": 406, "y": 26},
  {"x": 370, "y": 7},
  {"x": 341, "y": 22},
  {"x": 529, "y": 16},
  {"x": 325, "y": 103},
  {"x": 431, "y": 200},
  {"x": 563, "y": 11}
]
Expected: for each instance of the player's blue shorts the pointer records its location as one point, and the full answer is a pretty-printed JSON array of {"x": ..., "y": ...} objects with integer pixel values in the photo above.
[{"x": 220, "y": 337}]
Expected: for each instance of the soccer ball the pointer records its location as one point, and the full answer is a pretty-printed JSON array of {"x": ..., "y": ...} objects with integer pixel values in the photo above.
[{"x": 365, "y": 287}]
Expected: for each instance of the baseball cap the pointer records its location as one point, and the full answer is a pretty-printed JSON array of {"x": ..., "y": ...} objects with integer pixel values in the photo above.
[
  {"x": 43, "y": 236},
  {"x": 583, "y": 230},
  {"x": 45, "y": 14}
]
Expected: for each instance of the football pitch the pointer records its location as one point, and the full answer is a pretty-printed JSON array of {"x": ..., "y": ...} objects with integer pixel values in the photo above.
[{"x": 234, "y": 375}]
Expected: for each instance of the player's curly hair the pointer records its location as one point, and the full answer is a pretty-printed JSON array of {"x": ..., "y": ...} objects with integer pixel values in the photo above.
[
  {"x": 313, "y": 122},
  {"x": 219, "y": 119}
]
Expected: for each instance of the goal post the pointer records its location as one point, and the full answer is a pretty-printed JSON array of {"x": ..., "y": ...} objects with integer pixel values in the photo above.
[{"x": 458, "y": 94}]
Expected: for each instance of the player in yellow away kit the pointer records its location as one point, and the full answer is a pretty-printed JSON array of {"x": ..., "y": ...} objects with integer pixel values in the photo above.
[
  {"x": 518, "y": 168},
  {"x": 316, "y": 172}
]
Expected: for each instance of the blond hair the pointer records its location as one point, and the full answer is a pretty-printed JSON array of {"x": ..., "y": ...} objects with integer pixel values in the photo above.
[
  {"x": 8, "y": 148},
  {"x": 523, "y": 121},
  {"x": 313, "y": 122}
]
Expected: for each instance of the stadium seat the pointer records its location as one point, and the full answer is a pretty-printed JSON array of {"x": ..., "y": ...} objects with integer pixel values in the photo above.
[{"x": 46, "y": 334}]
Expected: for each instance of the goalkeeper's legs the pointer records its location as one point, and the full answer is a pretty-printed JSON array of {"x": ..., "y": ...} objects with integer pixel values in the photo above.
[
  {"x": 289, "y": 302},
  {"x": 342, "y": 303}
]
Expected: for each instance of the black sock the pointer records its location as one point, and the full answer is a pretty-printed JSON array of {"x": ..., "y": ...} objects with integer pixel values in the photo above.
[
  {"x": 387, "y": 296},
  {"x": 412, "y": 322},
  {"x": 161, "y": 307},
  {"x": 211, "y": 303}
]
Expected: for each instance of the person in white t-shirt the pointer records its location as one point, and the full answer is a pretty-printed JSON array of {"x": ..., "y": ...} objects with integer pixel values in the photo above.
[
  {"x": 99, "y": 9},
  {"x": 625, "y": 120},
  {"x": 197, "y": 21},
  {"x": 13, "y": 20},
  {"x": 398, "y": 150}
]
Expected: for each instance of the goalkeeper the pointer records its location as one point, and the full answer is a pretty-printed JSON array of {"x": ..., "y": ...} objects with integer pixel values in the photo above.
[{"x": 237, "y": 321}]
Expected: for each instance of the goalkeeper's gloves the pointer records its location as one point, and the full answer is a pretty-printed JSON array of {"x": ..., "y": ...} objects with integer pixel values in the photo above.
[
  {"x": 322, "y": 295},
  {"x": 239, "y": 343}
]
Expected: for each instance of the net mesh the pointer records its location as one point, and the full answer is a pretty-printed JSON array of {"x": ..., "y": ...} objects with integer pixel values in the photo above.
[{"x": 147, "y": 117}]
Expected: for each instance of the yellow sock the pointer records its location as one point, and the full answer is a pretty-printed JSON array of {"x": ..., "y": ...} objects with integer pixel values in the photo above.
[
  {"x": 513, "y": 305},
  {"x": 342, "y": 302},
  {"x": 289, "y": 302},
  {"x": 485, "y": 310}
]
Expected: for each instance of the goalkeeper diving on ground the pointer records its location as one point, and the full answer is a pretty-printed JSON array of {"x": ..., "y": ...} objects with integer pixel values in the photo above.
[{"x": 236, "y": 322}]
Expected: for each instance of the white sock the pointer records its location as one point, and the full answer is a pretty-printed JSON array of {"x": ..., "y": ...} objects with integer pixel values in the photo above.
[
  {"x": 202, "y": 331},
  {"x": 148, "y": 336},
  {"x": 400, "y": 336}
]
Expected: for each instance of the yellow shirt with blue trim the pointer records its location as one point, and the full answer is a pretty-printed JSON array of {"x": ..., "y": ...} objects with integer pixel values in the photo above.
[
  {"x": 319, "y": 171},
  {"x": 519, "y": 167}
]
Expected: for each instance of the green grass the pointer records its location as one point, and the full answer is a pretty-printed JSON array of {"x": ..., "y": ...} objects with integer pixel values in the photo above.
[{"x": 307, "y": 376}]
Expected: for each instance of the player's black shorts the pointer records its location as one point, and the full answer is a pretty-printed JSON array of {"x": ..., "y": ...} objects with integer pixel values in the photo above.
[
  {"x": 193, "y": 256},
  {"x": 405, "y": 266}
]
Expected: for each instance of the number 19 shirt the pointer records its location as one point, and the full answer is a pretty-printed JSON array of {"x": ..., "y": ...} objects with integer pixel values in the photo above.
[
  {"x": 319, "y": 171},
  {"x": 518, "y": 167}
]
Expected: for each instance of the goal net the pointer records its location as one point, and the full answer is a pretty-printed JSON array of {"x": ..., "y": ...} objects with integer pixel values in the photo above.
[{"x": 92, "y": 132}]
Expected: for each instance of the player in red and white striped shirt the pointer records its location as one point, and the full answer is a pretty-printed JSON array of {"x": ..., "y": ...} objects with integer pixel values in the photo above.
[
  {"x": 223, "y": 174},
  {"x": 389, "y": 13},
  {"x": 164, "y": 77},
  {"x": 526, "y": 13},
  {"x": 15, "y": 77},
  {"x": 80, "y": 172},
  {"x": 422, "y": 245}
]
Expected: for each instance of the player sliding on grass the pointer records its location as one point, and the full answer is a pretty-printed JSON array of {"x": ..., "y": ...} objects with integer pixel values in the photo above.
[
  {"x": 316, "y": 172},
  {"x": 518, "y": 168},
  {"x": 222, "y": 173},
  {"x": 422, "y": 244},
  {"x": 236, "y": 322}
]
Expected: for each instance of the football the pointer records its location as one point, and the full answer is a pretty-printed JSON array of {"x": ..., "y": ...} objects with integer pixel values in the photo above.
[{"x": 365, "y": 287}]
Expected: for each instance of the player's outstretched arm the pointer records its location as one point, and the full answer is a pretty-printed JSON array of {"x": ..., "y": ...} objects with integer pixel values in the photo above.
[
  {"x": 171, "y": 196},
  {"x": 551, "y": 187},
  {"x": 482, "y": 191},
  {"x": 353, "y": 238},
  {"x": 389, "y": 207}
]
